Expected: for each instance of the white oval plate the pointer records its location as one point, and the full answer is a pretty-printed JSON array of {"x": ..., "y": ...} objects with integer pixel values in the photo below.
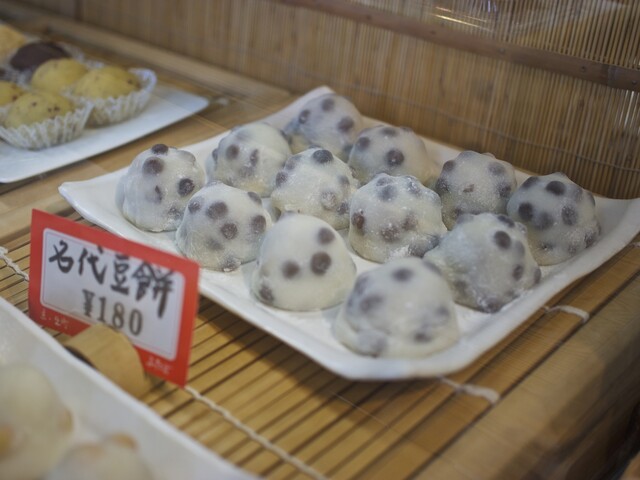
[
  {"x": 310, "y": 333},
  {"x": 166, "y": 106}
]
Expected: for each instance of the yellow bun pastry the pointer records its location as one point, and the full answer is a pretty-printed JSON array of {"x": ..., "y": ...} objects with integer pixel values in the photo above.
[
  {"x": 106, "y": 82},
  {"x": 58, "y": 74},
  {"x": 34, "y": 107},
  {"x": 9, "y": 92}
]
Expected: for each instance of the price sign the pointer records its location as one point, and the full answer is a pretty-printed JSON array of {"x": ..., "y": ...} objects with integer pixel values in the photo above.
[{"x": 81, "y": 276}]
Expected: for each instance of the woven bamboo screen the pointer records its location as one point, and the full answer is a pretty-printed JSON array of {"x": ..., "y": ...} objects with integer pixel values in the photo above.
[{"x": 548, "y": 85}]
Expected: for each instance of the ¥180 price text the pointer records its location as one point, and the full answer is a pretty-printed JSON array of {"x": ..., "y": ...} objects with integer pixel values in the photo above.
[{"x": 113, "y": 314}]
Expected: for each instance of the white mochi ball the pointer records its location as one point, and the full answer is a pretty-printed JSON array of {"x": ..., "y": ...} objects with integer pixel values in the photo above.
[
  {"x": 315, "y": 182},
  {"x": 486, "y": 260},
  {"x": 157, "y": 186},
  {"x": 393, "y": 217},
  {"x": 391, "y": 150},
  {"x": 560, "y": 217},
  {"x": 329, "y": 121},
  {"x": 474, "y": 183},
  {"x": 401, "y": 309},
  {"x": 249, "y": 158},
  {"x": 222, "y": 227},
  {"x": 303, "y": 265}
]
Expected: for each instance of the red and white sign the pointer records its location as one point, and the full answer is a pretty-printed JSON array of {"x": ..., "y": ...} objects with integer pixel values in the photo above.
[{"x": 80, "y": 276}]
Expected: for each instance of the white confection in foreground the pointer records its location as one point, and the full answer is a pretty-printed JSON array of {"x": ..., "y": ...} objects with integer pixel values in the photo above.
[
  {"x": 107, "y": 460},
  {"x": 35, "y": 427}
]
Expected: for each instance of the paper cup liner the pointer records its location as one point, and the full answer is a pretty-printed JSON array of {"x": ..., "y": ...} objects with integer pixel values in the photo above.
[
  {"x": 4, "y": 110},
  {"x": 9, "y": 74},
  {"x": 107, "y": 111},
  {"x": 50, "y": 132}
]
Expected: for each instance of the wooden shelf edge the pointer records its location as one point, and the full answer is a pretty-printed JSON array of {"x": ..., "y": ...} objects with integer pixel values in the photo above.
[{"x": 543, "y": 427}]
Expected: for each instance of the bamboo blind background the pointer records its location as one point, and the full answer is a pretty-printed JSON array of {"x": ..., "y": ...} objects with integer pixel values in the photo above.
[{"x": 537, "y": 119}]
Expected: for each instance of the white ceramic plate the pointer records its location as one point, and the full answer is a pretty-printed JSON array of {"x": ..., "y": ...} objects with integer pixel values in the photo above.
[
  {"x": 310, "y": 333},
  {"x": 166, "y": 106},
  {"x": 100, "y": 408}
]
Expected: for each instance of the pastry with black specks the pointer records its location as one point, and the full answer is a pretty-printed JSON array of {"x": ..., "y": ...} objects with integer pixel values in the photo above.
[
  {"x": 403, "y": 308},
  {"x": 9, "y": 93},
  {"x": 391, "y": 150},
  {"x": 393, "y": 217},
  {"x": 154, "y": 192},
  {"x": 116, "y": 94},
  {"x": 474, "y": 183},
  {"x": 37, "y": 120},
  {"x": 303, "y": 265},
  {"x": 316, "y": 182},
  {"x": 249, "y": 157},
  {"x": 486, "y": 260},
  {"x": 329, "y": 121},
  {"x": 58, "y": 75},
  {"x": 104, "y": 82},
  {"x": 34, "y": 107},
  {"x": 222, "y": 227},
  {"x": 560, "y": 217}
]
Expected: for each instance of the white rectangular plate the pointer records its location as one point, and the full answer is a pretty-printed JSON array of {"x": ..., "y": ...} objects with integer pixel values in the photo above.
[
  {"x": 310, "y": 333},
  {"x": 166, "y": 106},
  {"x": 100, "y": 408}
]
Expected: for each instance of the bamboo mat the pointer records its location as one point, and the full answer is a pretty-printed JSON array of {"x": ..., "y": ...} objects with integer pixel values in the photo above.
[{"x": 315, "y": 422}]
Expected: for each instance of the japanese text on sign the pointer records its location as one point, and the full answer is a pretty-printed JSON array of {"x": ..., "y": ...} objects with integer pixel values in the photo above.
[{"x": 96, "y": 284}]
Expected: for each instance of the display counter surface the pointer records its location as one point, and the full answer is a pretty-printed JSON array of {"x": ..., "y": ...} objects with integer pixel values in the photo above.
[{"x": 563, "y": 387}]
